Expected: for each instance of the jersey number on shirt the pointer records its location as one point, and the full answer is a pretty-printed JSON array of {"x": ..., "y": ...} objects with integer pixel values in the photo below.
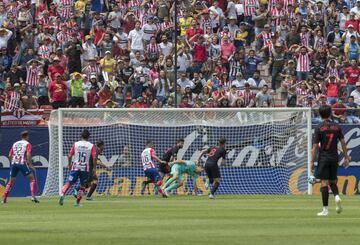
[
  {"x": 329, "y": 140},
  {"x": 82, "y": 157}
]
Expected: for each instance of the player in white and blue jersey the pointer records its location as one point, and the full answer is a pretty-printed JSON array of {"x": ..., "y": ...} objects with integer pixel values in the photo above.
[
  {"x": 82, "y": 156},
  {"x": 148, "y": 157}
]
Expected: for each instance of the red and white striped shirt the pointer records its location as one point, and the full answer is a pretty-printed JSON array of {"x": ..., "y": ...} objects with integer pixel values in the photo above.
[
  {"x": 63, "y": 37},
  {"x": 91, "y": 70},
  {"x": 266, "y": 37},
  {"x": 277, "y": 13},
  {"x": 66, "y": 7},
  {"x": 153, "y": 49},
  {"x": 301, "y": 96},
  {"x": 272, "y": 4},
  {"x": 12, "y": 102},
  {"x": 32, "y": 78},
  {"x": 286, "y": 4},
  {"x": 305, "y": 39},
  {"x": 44, "y": 52},
  {"x": 248, "y": 96},
  {"x": 303, "y": 63},
  {"x": 147, "y": 158},
  {"x": 166, "y": 26},
  {"x": 250, "y": 7},
  {"x": 19, "y": 151}
]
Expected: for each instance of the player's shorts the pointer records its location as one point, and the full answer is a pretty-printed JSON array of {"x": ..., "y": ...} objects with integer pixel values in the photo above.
[
  {"x": 212, "y": 170},
  {"x": 92, "y": 177},
  {"x": 164, "y": 168},
  {"x": 175, "y": 170},
  {"x": 327, "y": 170},
  {"x": 23, "y": 168},
  {"x": 75, "y": 175},
  {"x": 152, "y": 174}
]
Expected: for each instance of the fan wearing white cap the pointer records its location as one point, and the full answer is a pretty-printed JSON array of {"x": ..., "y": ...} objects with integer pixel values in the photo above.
[{"x": 350, "y": 31}]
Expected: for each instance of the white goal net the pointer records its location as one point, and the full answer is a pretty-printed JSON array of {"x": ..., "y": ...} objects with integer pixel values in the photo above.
[{"x": 268, "y": 148}]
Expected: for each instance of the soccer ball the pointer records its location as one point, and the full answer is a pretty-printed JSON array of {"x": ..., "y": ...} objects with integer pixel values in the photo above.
[{"x": 312, "y": 179}]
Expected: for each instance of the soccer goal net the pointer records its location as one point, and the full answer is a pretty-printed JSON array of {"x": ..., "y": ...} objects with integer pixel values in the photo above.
[{"x": 268, "y": 149}]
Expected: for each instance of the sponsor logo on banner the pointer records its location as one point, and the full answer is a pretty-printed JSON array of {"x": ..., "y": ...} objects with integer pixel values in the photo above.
[{"x": 21, "y": 118}]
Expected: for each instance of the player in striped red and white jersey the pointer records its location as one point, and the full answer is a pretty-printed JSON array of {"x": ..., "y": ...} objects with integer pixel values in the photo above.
[
  {"x": 148, "y": 157},
  {"x": 20, "y": 157},
  {"x": 82, "y": 155},
  {"x": 13, "y": 99}
]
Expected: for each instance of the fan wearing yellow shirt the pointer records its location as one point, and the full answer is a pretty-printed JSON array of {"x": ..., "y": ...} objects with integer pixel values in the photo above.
[
  {"x": 185, "y": 22},
  {"x": 80, "y": 7},
  {"x": 76, "y": 90},
  {"x": 107, "y": 65},
  {"x": 240, "y": 36}
]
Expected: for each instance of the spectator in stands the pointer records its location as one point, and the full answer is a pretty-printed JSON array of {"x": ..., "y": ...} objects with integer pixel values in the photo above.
[
  {"x": 351, "y": 114},
  {"x": 13, "y": 98},
  {"x": 124, "y": 159},
  {"x": 263, "y": 98},
  {"x": 76, "y": 90},
  {"x": 356, "y": 93},
  {"x": 58, "y": 92},
  {"x": 29, "y": 101},
  {"x": 339, "y": 111}
]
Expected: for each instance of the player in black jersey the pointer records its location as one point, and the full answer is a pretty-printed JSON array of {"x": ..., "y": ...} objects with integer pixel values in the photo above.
[
  {"x": 211, "y": 165},
  {"x": 169, "y": 156},
  {"x": 164, "y": 168},
  {"x": 326, "y": 138}
]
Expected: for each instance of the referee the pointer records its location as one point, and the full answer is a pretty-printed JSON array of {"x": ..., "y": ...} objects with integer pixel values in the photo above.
[{"x": 211, "y": 165}]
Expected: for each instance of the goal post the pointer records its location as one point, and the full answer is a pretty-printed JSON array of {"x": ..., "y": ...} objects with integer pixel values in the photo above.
[{"x": 268, "y": 149}]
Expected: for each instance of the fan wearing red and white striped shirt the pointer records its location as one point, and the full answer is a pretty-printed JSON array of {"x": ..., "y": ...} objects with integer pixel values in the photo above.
[
  {"x": 250, "y": 7},
  {"x": 277, "y": 13},
  {"x": 305, "y": 36},
  {"x": 13, "y": 99},
  {"x": 152, "y": 51},
  {"x": 303, "y": 62},
  {"x": 32, "y": 73},
  {"x": 65, "y": 7}
]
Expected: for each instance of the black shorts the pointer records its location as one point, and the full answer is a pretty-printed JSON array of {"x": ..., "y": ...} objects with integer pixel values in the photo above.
[
  {"x": 212, "y": 170},
  {"x": 91, "y": 178},
  {"x": 327, "y": 169},
  {"x": 164, "y": 168}
]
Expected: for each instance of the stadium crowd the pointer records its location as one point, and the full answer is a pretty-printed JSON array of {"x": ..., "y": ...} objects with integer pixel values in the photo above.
[{"x": 230, "y": 53}]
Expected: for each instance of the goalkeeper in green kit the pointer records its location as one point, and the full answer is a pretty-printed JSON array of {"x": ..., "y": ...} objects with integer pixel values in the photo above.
[{"x": 178, "y": 169}]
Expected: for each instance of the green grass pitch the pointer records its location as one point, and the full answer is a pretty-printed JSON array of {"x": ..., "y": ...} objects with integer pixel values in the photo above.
[{"x": 180, "y": 220}]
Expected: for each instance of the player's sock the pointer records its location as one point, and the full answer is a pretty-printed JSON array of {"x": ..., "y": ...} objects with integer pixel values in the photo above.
[
  {"x": 214, "y": 188},
  {"x": 92, "y": 189},
  {"x": 325, "y": 196},
  {"x": 33, "y": 188},
  {"x": 65, "y": 188},
  {"x": 7, "y": 191},
  {"x": 168, "y": 182},
  {"x": 79, "y": 196},
  {"x": 172, "y": 187},
  {"x": 334, "y": 189}
]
